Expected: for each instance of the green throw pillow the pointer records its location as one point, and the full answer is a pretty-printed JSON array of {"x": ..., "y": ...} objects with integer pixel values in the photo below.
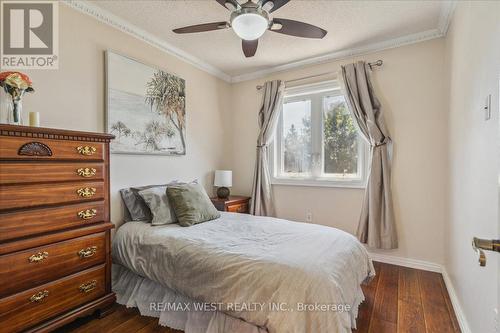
[{"x": 191, "y": 204}]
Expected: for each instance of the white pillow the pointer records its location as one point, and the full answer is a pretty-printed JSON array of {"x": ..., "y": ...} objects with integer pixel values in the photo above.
[{"x": 157, "y": 201}]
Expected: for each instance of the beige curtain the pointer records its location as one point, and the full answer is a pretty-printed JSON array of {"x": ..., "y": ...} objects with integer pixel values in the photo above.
[
  {"x": 376, "y": 227},
  {"x": 262, "y": 201}
]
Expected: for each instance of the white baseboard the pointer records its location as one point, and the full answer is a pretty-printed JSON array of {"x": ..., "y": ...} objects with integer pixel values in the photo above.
[
  {"x": 433, "y": 267},
  {"x": 462, "y": 321},
  {"x": 407, "y": 262}
]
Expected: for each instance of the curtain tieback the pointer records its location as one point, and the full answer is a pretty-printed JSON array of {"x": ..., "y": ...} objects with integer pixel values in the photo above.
[
  {"x": 386, "y": 141},
  {"x": 261, "y": 146}
]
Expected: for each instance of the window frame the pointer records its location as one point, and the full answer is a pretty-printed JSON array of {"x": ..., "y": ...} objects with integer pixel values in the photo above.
[{"x": 317, "y": 178}]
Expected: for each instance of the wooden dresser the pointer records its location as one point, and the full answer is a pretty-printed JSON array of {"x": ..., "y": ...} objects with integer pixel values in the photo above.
[
  {"x": 55, "y": 262},
  {"x": 235, "y": 204}
]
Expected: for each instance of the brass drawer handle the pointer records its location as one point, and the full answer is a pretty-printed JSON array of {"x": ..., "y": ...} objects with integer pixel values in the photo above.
[
  {"x": 86, "y": 172},
  {"x": 88, "y": 252},
  {"x": 38, "y": 256},
  {"x": 86, "y": 192},
  {"x": 39, "y": 296},
  {"x": 86, "y": 150},
  {"x": 87, "y": 214},
  {"x": 88, "y": 287}
]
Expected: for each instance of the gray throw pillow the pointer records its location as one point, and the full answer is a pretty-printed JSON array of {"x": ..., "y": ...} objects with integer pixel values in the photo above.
[
  {"x": 137, "y": 208},
  {"x": 126, "y": 214},
  {"x": 191, "y": 204},
  {"x": 135, "y": 204},
  {"x": 157, "y": 201}
]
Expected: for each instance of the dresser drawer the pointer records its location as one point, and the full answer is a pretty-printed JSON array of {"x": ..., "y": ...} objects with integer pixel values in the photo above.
[
  {"x": 18, "y": 173},
  {"x": 238, "y": 208},
  {"x": 29, "y": 268},
  {"x": 33, "y": 306},
  {"x": 36, "y": 221},
  {"x": 47, "y": 149},
  {"x": 24, "y": 196}
]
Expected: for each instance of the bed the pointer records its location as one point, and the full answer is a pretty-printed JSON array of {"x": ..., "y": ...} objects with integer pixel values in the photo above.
[{"x": 241, "y": 273}]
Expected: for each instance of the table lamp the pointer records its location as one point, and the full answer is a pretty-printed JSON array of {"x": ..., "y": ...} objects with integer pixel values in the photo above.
[{"x": 223, "y": 179}]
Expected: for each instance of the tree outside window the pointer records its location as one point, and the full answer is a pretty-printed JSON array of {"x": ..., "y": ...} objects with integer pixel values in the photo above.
[{"x": 317, "y": 140}]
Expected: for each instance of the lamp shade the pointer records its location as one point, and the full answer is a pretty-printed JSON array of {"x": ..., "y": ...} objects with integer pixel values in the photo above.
[{"x": 223, "y": 178}]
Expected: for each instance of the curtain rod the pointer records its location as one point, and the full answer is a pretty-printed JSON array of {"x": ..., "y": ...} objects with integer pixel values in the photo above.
[{"x": 370, "y": 64}]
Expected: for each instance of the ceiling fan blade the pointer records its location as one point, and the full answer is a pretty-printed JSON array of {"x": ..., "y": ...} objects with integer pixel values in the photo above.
[
  {"x": 249, "y": 47},
  {"x": 276, "y": 4},
  {"x": 298, "y": 29},
  {"x": 228, "y": 4},
  {"x": 202, "y": 27}
]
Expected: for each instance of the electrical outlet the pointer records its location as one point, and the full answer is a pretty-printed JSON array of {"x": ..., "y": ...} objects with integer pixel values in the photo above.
[{"x": 309, "y": 217}]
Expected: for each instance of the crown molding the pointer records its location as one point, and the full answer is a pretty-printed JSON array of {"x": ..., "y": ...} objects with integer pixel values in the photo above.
[
  {"x": 343, "y": 54},
  {"x": 102, "y": 15},
  {"x": 108, "y": 18},
  {"x": 447, "y": 9},
  {"x": 445, "y": 16}
]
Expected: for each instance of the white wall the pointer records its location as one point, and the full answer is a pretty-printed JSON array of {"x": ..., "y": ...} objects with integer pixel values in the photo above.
[
  {"x": 410, "y": 86},
  {"x": 473, "y": 62},
  {"x": 73, "y": 97}
]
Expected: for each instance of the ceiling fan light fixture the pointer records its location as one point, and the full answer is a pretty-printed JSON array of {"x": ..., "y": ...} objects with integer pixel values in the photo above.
[
  {"x": 249, "y": 26},
  {"x": 250, "y": 20}
]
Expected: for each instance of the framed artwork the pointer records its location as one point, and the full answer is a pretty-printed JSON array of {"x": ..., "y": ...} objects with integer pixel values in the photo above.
[{"x": 146, "y": 108}]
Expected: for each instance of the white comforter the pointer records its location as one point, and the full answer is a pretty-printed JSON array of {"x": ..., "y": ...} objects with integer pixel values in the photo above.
[{"x": 281, "y": 275}]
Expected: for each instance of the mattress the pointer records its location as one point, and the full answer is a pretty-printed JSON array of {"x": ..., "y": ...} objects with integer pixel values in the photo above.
[{"x": 275, "y": 274}]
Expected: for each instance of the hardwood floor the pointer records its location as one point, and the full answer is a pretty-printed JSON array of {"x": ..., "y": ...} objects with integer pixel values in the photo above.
[
  {"x": 402, "y": 299},
  {"x": 398, "y": 299}
]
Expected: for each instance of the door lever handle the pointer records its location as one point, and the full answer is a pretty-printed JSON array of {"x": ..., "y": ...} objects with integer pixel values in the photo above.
[
  {"x": 479, "y": 245},
  {"x": 486, "y": 244}
]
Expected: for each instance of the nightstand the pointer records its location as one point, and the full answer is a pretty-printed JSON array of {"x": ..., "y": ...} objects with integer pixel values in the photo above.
[{"x": 235, "y": 204}]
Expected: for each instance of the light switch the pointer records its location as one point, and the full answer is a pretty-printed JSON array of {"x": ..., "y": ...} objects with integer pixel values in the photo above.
[{"x": 487, "y": 108}]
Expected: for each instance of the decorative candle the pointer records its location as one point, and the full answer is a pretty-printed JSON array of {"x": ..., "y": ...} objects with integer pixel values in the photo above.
[{"x": 35, "y": 119}]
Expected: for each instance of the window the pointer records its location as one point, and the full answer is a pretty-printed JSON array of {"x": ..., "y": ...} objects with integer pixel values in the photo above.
[{"x": 317, "y": 141}]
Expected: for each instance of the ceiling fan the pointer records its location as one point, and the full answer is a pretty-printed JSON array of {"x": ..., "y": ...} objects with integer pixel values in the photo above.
[{"x": 250, "y": 20}]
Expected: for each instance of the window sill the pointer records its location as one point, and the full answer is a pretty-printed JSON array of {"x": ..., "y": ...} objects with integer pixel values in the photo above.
[{"x": 356, "y": 184}]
